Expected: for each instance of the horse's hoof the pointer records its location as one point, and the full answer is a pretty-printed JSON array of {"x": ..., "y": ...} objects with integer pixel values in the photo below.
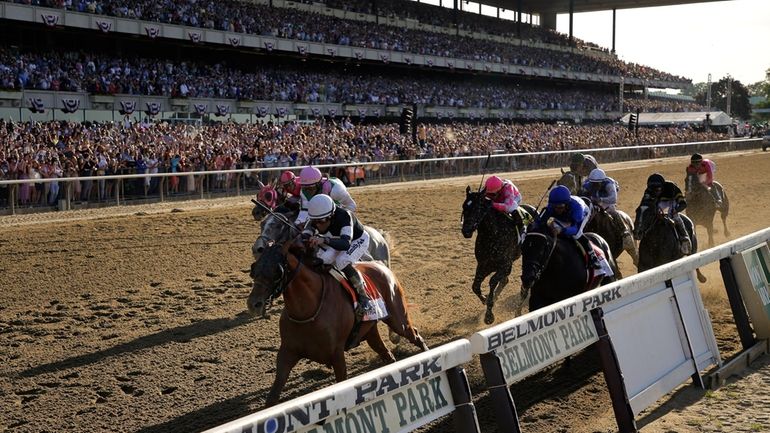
[
  {"x": 524, "y": 293},
  {"x": 489, "y": 318},
  {"x": 702, "y": 278}
]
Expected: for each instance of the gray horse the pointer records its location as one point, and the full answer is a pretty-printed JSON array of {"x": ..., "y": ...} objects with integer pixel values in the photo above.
[{"x": 275, "y": 229}]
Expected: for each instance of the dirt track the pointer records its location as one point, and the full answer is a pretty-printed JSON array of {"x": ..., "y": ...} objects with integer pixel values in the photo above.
[{"x": 116, "y": 321}]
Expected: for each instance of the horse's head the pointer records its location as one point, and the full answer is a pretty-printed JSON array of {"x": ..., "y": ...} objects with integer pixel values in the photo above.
[
  {"x": 475, "y": 209},
  {"x": 269, "y": 274},
  {"x": 692, "y": 185},
  {"x": 275, "y": 229},
  {"x": 536, "y": 251}
]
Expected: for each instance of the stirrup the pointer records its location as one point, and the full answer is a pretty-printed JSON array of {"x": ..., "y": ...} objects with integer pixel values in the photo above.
[{"x": 685, "y": 246}]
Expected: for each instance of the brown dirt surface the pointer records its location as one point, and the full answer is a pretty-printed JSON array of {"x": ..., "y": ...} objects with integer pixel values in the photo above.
[{"x": 132, "y": 319}]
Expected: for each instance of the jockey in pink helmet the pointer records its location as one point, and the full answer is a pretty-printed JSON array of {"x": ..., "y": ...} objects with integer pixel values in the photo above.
[
  {"x": 312, "y": 182},
  {"x": 289, "y": 184},
  {"x": 503, "y": 193}
]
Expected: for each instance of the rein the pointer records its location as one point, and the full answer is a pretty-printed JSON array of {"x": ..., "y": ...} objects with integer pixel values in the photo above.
[{"x": 550, "y": 252}]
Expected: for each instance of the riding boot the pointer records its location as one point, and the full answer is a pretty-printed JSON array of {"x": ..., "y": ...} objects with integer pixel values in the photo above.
[
  {"x": 593, "y": 260},
  {"x": 365, "y": 305},
  {"x": 685, "y": 244}
]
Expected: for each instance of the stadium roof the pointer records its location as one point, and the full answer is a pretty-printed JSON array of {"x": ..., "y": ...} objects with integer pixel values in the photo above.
[{"x": 562, "y": 6}]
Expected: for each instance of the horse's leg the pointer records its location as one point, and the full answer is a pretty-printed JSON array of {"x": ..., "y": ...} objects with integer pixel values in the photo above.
[
  {"x": 375, "y": 342},
  {"x": 723, "y": 212},
  {"x": 285, "y": 362},
  {"x": 478, "y": 278},
  {"x": 339, "y": 366},
  {"x": 496, "y": 284}
]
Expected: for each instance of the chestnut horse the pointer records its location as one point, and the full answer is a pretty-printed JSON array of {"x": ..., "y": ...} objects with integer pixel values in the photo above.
[{"x": 317, "y": 317}]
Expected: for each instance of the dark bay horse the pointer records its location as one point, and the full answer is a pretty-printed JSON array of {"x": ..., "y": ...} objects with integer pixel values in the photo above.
[
  {"x": 701, "y": 207},
  {"x": 317, "y": 317},
  {"x": 497, "y": 245},
  {"x": 616, "y": 228},
  {"x": 658, "y": 241},
  {"x": 554, "y": 269}
]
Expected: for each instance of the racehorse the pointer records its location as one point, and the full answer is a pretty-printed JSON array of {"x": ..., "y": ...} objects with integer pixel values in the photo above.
[
  {"x": 701, "y": 206},
  {"x": 658, "y": 241},
  {"x": 317, "y": 317},
  {"x": 571, "y": 180},
  {"x": 555, "y": 269},
  {"x": 497, "y": 245},
  {"x": 616, "y": 228}
]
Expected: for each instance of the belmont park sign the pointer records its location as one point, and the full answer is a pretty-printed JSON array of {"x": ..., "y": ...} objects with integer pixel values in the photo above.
[{"x": 393, "y": 399}]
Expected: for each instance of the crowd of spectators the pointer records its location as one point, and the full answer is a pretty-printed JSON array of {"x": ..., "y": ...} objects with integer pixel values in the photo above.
[
  {"x": 660, "y": 105},
  {"x": 33, "y": 150},
  {"x": 252, "y": 18},
  {"x": 104, "y": 74}
]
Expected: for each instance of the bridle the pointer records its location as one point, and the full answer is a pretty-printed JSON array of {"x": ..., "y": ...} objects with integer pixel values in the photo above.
[{"x": 541, "y": 264}]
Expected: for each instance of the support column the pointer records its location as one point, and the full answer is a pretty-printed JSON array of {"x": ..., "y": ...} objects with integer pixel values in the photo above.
[
  {"x": 498, "y": 13},
  {"x": 613, "y": 31},
  {"x": 571, "y": 15},
  {"x": 548, "y": 21},
  {"x": 518, "y": 19}
]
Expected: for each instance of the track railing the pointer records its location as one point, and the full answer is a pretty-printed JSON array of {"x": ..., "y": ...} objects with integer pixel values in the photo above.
[{"x": 93, "y": 191}]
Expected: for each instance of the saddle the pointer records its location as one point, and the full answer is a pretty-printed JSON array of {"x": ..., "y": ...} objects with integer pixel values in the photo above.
[
  {"x": 593, "y": 275},
  {"x": 380, "y": 311}
]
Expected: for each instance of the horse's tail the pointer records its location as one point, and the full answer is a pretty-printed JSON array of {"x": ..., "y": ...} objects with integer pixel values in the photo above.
[{"x": 390, "y": 244}]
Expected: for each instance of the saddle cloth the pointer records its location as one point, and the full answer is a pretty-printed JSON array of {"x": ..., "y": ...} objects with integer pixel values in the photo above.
[
  {"x": 380, "y": 311},
  {"x": 594, "y": 276}
]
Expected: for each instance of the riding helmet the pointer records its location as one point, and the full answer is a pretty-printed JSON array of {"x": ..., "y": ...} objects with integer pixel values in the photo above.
[
  {"x": 597, "y": 175},
  {"x": 493, "y": 185},
  {"x": 577, "y": 158},
  {"x": 321, "y": 206},
  {"x": 697, "y": 157},
  {"x": 309, "y": 176},
  {"x": 655, "y": 180},
  {"x": 286, "y": 177},
  {"x": 559, "y": 195}
]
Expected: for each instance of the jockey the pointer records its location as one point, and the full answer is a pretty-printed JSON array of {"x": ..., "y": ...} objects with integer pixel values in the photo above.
[
  {"x": 290, "y": 189},
  {"x": 504, "y": 195},
  {"x": 601, "y": 189},
  {"x": 589, "y": 164},
  {"x": 312, "y": 183},
  {"x": 704, "y": 169},
  {"x": 575, "y": 178},
  {"x": 342, "y": 241},
  {"x": 665, "y": 195},
  {"x": 567, "y": 215}
]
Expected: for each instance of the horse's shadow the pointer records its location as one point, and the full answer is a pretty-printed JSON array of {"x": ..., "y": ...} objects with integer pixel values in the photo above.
[{"x": 186, "y": 333}]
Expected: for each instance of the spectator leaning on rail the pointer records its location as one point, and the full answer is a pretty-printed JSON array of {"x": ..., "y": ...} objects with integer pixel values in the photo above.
[
  {"x": 312, "y": 183},
  {"x": 566, "y": 215},
  {"x": 665, "y": 196},
  {"x": 341, "y": 241},
  {"x": 704, "y": 169},
  {"x": 505, "y": 197}
]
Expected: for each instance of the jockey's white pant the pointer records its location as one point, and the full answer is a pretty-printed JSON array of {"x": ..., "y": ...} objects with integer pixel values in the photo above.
[{"x": 340, "y": 259}]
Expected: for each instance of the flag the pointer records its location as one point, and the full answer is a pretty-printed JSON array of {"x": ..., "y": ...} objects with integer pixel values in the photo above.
[
  {"x": 268, "y": 46},
  {"x": 234, "y": 40},
  {"x": 262, "y": 111},
  {"x": 430, "y": 63},
  {"x": 362, "y": 112},
  {"x": 332, "y": 51},
  {"x": 359, "y": 55},
  {"x": 316, "y": 111},
  {"x": 127, "y": 107},
  {"x": 70, "y": 105},
  {"x": 302, "y": 49},
  {"x": 50, "y": 19},
  {"x": 152, "y": 31},
  {"x": 200, "y": 108},
  {"x": 281, "y": 111},
  {"x": 36, "y": 105},
  {"x": 332, "y": 112},
  {"x": 451, "y": 65}
]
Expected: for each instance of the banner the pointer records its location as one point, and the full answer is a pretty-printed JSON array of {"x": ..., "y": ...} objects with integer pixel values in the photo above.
[
  {"x": 70, "y": 105},
  {"x": 50, "y": 19},
  {"x": 408, "y": 60},
  {"x": 302, "y": 50},
  {"x": 376, "y": 112},
  {"x": 332, "y": 112},
  {"x": 268, "y": 46},
  {"x": 451, "y": 65},
  {"x": 332, "y": 51},
  {"x": 104, "y": 25},
  {"x": 316, "y": 111},
  {"x": 362, "y": 112},
  {"x": 200, "y": 108},
  {"x": 470, "y": 66},
  {"x": 153, "y": 108},
  {"x": 195, "y": 36},
  {"x": 359, "y": 55},
  {"x": 385, "y": 57},
  {"x": 127, "y": 107},
  {"x": 223, "y": 110},
  {"x": 280, "y": 111},
  {"x": 152, "y": 31},
  {"x": 36, "y": 105},
  {"x": 262, "y": 111},
  {"x": 430, "y": 63},
  {"x": 235, "y": 41}
]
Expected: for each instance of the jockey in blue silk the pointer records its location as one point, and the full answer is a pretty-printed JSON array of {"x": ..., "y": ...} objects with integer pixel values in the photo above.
[
  {"x": 566, "y": 215},
  {"x": 601, "y": 189}
]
